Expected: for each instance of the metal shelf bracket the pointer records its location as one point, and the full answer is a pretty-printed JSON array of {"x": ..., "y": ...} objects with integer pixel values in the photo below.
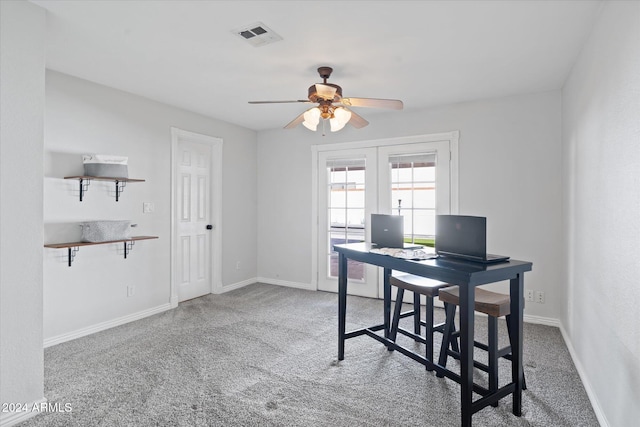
[
  {"x": 119, "y": 188},
  {"x": 71, "y": 254},
  {"x": 84, "y": 186},
  {"x": 128, "y": 246}
]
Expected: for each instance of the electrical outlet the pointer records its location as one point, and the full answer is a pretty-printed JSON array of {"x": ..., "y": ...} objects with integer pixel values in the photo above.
[
  {"x": 131, "y": 290},
  {"x": 529, "y": 296},
  {"x": 237, "y": 265},
  {"x": 148, "y": 207},
  {"x": 540, "y": 297}
]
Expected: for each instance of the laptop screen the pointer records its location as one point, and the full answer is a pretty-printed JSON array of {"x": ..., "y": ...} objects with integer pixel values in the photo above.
[
  {"x": 461, "y": 235},
  {"x": 387, "y": 231}
]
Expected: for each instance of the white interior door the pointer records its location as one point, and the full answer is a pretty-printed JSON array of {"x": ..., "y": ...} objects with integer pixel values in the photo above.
[{"x": 193, "y": 217}]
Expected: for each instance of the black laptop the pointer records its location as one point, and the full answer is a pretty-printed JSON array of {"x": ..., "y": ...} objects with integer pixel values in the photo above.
[
  {"x": 387, "y": 231},
  {"x": 464, "y": 237}
]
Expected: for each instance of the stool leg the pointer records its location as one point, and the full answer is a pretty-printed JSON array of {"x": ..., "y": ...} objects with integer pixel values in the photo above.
[
  {"x": 449, "y": 326},
  {"x": 416, "y": 313},
  {"x": 508, "y": 317},
  {"x": 429, "y": 330},
  {"x": 396, "y": 316},
  {"x": 492, "y": 326}
]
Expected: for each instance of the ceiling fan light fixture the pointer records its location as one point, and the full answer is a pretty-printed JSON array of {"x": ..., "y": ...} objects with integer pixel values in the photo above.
[
  {"x": 341, "y": 117},
  {"x": 311, "y": 118},
  {"x": 332, "y": 106}
]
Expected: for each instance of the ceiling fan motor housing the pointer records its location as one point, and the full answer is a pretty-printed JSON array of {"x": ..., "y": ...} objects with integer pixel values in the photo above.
[{"x": 314, "y": 97}]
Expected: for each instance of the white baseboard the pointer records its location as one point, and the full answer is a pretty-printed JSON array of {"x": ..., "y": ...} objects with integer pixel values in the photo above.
[
  {"x": 602, "y": 419},
  {"x": 237, "y": 285},
  {"x": 8, "y": 419},
  {"x": 297, "y": 285},
  {"x": 538, "y": 320},
  {"x": 48, "y": 342}
]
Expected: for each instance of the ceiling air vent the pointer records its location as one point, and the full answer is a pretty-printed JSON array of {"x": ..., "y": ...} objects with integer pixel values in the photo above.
[{"x": 257, "y": 34}]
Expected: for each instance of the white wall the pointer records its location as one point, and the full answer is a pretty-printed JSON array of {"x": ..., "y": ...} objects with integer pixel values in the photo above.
[
  {"x": 601, "y": 147},
  {"x": 21, "y": 134},
  {"x": 83, "y": 117},
  {"x": 510, "y": 172}
]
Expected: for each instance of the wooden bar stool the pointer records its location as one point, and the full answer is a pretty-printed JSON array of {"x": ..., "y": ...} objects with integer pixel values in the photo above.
[
  {"x": 419, "y": 286},
  {"x": 492, "y": 304}
]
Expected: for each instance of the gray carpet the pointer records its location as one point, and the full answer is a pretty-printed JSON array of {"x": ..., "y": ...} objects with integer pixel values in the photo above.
[{"x": 266, "y": 355}]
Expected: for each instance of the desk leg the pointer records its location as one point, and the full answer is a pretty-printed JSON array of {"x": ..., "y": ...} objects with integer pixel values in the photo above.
[
  {"x": 342, "y": 303},
  {"x": 467, "y": 302},
  {"x": 387, "y": 301},
  {"x": 517, "y": 307}
]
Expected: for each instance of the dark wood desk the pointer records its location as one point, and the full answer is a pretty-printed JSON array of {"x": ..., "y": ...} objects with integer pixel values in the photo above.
[{"x": 467, "y": 275}]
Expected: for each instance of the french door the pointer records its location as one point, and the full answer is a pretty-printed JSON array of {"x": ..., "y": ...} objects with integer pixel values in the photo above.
[
  {"x": 413, "y": 180},
  {"x": 346, "y": 186}
]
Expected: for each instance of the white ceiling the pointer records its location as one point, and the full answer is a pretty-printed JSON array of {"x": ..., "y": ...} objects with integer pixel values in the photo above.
[{"x": 426, "y": 53}]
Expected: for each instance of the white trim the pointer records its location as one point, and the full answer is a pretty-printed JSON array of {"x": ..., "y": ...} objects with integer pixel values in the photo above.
[
  {"x": 538, "y": 320},
  {"x": 237, "y": 285},
  {"x": 315, "y": 219},
  {"x": 432, "y": 137},
  {"x": 8, "y": 419},
  {"x": 59, "y": 339},
  {"x": 278, "y": 282},
  {"x": 178, "y": 135},
  {"x": 595, "y": 404}
]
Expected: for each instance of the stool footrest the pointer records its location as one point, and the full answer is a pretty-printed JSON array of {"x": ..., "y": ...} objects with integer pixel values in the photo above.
[{"x": 416, "y": 337}]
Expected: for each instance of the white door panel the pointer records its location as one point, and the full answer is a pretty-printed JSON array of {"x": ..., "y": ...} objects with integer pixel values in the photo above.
[{"x": 194, "y": 214}]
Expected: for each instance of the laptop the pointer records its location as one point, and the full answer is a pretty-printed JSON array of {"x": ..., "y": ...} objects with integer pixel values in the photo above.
[
  {"x": 464, "y": 237},
  {"x": 387, "y": 231}
]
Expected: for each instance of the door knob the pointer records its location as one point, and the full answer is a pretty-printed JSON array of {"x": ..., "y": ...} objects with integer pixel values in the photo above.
[{"x": 209, "y": 227}]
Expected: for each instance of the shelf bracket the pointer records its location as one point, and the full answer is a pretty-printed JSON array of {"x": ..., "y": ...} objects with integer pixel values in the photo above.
[
  {"x": 128, "y": 245},
  {"x": 71, "y": 254},
  {"x": 119, "y": 189},
  {"x": 84, "y": 186}
]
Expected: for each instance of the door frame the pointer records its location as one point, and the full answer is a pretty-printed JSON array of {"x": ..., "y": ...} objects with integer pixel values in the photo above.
[
  {"x": 178, "y": 135},
  {"x": 452, "y": 137}
]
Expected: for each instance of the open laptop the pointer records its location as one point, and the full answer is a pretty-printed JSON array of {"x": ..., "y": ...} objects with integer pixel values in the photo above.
[
  {"x": 387, "y": 231},
  {"x": 464, "y": 237}
]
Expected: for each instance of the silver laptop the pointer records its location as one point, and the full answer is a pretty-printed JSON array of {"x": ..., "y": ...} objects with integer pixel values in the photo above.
[{"x": 464, "y": 237}]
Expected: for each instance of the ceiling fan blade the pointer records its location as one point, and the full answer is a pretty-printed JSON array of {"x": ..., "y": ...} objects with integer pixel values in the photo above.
[
  {"x": 357, "y": 121},
  {"x": 295, "y": 122},
  {"x": 279, "y": 102},
  {"x": 394, "y": 104},
  {"x": 325, "y": 91}
]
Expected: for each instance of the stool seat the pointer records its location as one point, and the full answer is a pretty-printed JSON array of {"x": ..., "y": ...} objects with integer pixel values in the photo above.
[
  {"x": 487, "y": 302},
  {"x": 418, "y": 284},
  {"x": 494, "y": 305}
]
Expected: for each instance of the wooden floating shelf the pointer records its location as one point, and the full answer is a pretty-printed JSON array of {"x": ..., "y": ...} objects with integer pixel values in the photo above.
[
  {"x": 74, "y": 247},
  {"x": 85, "y": 180}
]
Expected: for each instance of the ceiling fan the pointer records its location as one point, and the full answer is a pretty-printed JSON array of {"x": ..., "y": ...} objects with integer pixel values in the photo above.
[{"x": 332, "y": 106}]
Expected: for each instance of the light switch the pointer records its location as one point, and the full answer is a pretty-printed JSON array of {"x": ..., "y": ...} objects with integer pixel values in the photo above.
[{"x": 147, "y": 207}]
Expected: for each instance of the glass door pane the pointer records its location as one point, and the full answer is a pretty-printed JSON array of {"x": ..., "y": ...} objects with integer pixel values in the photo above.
[
  {"x": 347, "y": 194},
  {"x": 413, "y": 194},
  {"x": 346, "y": 206}
]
